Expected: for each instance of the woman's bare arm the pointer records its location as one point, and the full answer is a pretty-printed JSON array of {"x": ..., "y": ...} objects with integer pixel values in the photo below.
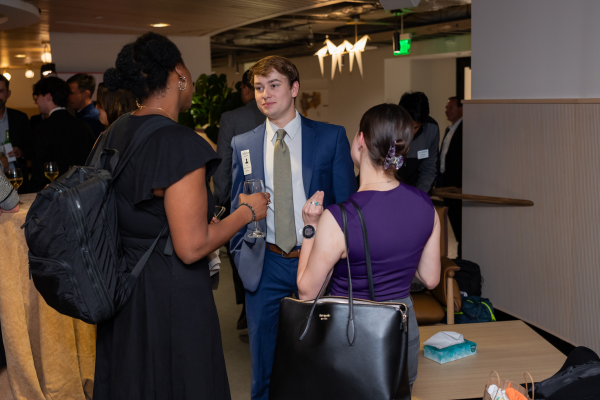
[
  {"x": 319, "y": 255},
  {"x": 429, "y": 267},
  {"x": 186, "y": 208}
]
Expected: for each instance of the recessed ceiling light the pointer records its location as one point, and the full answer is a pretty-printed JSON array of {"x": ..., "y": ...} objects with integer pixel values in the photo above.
[
  {"x": 159, "y": 25},
  {"x": 20, "y": 56}
]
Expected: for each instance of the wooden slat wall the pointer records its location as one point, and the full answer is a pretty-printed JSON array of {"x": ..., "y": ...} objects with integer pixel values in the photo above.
[{"x": 540, "y": 263}]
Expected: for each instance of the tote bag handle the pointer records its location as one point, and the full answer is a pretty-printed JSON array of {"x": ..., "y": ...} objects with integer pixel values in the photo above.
[{"x": 350, "y": 331}]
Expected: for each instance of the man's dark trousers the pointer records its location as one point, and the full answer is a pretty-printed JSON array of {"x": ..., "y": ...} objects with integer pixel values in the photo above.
[{"x": 262, "y": 311}]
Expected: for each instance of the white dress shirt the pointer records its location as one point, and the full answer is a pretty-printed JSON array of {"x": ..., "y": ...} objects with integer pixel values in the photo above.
[
  {"x": 55, "y": 109},
  {"x": 446, "y": 145},
  {"x": 293, "y": 139}
]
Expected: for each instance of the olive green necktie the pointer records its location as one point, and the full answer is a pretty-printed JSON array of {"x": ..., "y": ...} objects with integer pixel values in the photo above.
[{"x": 285, "y": 226}]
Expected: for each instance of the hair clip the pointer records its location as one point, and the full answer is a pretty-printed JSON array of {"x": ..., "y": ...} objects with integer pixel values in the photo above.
[{"x": 392, "y": 160}]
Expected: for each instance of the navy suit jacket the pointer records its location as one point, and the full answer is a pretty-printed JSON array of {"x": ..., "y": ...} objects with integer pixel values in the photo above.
[{"x": 326, "y": 166}]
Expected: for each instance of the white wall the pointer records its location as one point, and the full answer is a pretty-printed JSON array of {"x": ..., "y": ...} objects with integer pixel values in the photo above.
[
  {"x": 385, "y": 79},
  {"x": 91, "y": 53},
  {"x": 21, "y": 96},
  {"x": 536, "y": 49},
  {"x": 98, "y": 52},
  {"x": 539, "y": 263}
]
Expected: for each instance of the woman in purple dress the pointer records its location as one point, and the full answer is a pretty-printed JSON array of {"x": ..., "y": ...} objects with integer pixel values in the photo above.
[{"x": 402, "y": 225}]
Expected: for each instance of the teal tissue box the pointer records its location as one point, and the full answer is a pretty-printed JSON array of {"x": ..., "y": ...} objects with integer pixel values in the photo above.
[{"x": 451, "y": 353}]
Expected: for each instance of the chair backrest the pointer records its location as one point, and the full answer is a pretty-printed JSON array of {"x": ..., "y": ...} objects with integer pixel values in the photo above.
[{"x": 443, "y": 216}]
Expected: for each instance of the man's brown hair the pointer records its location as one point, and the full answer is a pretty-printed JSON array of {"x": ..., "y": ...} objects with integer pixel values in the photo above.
[{"x": 280, "y": 64}]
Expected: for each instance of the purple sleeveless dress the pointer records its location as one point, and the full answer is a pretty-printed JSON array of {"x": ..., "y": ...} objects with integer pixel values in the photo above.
[{"x": 399, "y": 223}]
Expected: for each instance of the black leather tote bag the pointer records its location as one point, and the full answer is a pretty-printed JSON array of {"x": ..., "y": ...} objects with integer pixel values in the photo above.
[{"x": 341, "y": 348}]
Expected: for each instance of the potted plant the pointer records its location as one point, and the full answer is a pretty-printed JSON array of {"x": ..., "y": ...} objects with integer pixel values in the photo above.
[{"x": 212, "y": 97}]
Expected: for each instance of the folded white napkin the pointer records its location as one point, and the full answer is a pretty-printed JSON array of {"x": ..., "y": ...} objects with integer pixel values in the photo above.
[
  {"x": 500, "y": 394},
  {"x": 214, "y": 262},
  {"x": 445, "y": 339}
]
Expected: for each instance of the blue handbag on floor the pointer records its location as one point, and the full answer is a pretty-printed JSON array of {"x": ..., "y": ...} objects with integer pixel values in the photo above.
[{"x": 474, "y": 309}]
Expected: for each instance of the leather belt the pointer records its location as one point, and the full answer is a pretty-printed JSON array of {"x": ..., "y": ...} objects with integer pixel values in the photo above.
[{"x": 275, "y": 249}]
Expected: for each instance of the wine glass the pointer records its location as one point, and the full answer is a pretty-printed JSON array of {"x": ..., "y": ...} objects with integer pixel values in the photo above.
[
  {"x": 51, "y": 171},
  {"x": 252, "y": 186},
  {"x": 219, "y": 211},
  {"x": 15, "y": 176}
]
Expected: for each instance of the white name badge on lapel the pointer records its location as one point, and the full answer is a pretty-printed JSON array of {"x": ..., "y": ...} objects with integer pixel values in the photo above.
[
  {"x": 422, "y": 154},
  {"x": 246, "y": 162}
]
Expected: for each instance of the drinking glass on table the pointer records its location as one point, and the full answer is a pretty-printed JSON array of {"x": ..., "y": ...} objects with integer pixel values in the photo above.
[
  {"x": 252, "y": 186},
  {"x": 15, "y": 176},
  {"x": 51, "y": 171}
]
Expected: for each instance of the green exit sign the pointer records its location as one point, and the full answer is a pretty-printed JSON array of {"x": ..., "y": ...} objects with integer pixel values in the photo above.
[
  {"x": 402, "y": 44},
  {"x": 404, "y": 48}
]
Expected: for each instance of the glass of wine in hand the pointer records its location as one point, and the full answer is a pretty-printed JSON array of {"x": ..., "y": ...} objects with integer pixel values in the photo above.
[
  {"x": 51, "y": 171},
  {"x": 15, "y": 176},
  {"x": 252, "y": 186}
]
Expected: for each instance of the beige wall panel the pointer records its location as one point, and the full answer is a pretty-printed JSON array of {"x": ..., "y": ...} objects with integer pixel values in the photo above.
[
  {"x": 539, "y": 263},
  {"x": 586, "y": 217}
]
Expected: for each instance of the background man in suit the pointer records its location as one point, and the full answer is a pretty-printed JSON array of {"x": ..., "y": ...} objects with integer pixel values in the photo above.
[
  {"x": 19, "y": 129},
  {"x": 234, "y": 123},
  {"x": 82, "y": 88},
  {"x": 60, "y": 138},
  {"x": 295, "y": 157},
  {"x": 420, "y": 167},
  {"x": 450, "y": 165}
]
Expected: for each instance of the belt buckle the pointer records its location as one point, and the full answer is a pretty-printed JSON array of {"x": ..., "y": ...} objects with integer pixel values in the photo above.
[{"x": 284, "y": 254}]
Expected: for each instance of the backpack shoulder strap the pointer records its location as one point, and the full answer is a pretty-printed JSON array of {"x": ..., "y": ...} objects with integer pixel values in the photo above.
[
  {"x": 139, "y": 137},
  {"x": 100, "y": 144},
  {"x": 142, "y": 262}
]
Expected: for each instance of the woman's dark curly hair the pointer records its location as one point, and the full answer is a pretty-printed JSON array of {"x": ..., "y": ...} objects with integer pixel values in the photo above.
[{"x": 143, "y": 66}]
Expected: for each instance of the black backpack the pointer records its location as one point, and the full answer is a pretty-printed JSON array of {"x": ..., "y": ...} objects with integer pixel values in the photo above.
[
  {"x": 75, "y": 250},
  {"x": 469, "y": 277}
]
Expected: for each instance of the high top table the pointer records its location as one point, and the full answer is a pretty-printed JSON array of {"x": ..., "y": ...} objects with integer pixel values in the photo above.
[
  {"x": 509, "y": 348},
  {"x": 49, "y": 355}
]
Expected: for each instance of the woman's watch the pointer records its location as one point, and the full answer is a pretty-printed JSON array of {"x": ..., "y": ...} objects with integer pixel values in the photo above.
[{"x": 309, "y": 231}]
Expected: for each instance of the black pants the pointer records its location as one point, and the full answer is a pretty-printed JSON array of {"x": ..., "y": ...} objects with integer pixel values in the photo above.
[{"x": 455, "y": 217}]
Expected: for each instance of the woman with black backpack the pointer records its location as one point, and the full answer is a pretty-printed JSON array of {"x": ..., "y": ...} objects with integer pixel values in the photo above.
[{"x": 165, "y": 343}]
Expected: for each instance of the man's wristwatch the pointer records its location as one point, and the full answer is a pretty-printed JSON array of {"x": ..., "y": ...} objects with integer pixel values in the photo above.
[{"x": 309, "y": 231}]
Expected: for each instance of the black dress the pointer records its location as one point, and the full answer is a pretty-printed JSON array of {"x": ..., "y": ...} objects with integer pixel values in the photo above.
[{"x": 166, "y": 342}]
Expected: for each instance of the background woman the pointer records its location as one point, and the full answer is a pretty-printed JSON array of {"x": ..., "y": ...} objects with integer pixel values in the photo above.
[
  {"x": 165, "y": 343},
  {"x": 112, "y": 105},
  {"x": 403, "y": 227}
]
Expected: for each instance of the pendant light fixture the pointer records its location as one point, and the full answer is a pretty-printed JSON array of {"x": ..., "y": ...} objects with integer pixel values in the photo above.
[
  {"x": 336, "y": 53},
  {"x": 46, "y": 55}
]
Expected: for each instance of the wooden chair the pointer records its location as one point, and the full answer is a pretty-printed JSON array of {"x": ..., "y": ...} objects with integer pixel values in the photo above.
[{"x": 429, "y": 306}]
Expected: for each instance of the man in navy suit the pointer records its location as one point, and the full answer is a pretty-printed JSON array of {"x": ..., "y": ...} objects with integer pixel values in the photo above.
[{"x": 294, "y": 157}]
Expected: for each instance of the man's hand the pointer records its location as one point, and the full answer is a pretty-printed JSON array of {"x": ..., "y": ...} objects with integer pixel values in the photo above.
[{"x": 17, "y": 153}]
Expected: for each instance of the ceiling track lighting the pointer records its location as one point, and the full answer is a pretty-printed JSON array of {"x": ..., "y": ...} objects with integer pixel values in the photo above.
[
  {"x": 6, "y": 74},
  {"x": 310, "y": 37}
]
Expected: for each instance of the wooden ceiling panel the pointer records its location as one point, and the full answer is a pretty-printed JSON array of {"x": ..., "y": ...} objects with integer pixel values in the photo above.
[{"x": 187, "y": 18}]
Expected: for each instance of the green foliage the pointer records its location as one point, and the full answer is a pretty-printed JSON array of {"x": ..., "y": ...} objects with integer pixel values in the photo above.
[{"x": 212, "y": 97}]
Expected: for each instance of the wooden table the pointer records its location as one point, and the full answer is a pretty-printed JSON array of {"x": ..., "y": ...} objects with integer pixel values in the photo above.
[
  {"x": 49, "y": 355},
  {"x": 509, "y": 347}
]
